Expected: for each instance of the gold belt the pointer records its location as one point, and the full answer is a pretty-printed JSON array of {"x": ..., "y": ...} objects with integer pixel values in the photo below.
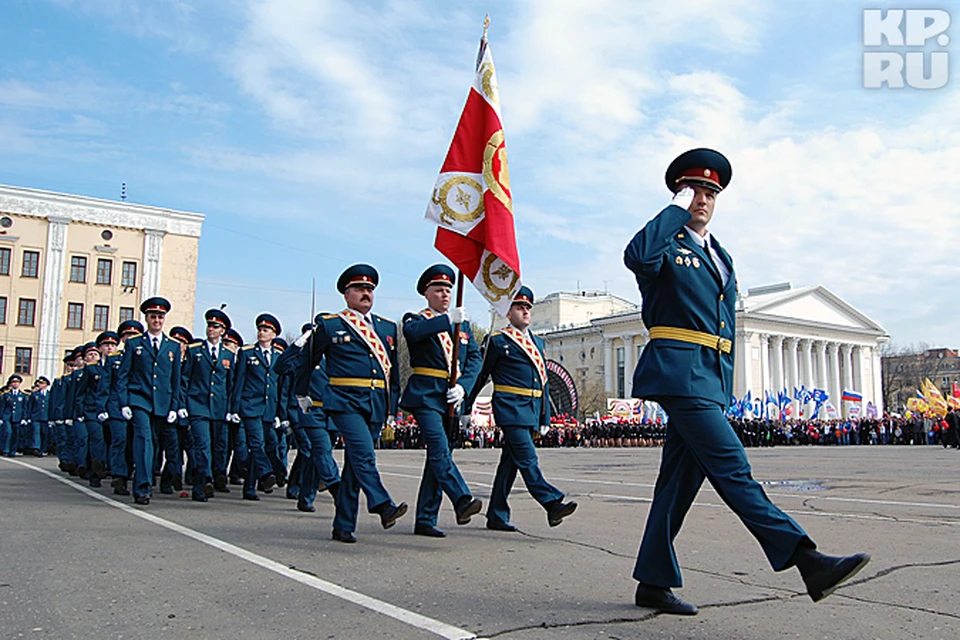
[
  {"x": 518, "y": 391},
  {"x": 367, "y": 383},
  {"x": 694, "y": 337},
  {"x": 431, "y": 372},
  {"x": 318, "y": 403}
]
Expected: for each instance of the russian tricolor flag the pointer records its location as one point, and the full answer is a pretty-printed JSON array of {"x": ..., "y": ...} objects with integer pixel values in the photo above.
[{"x": 851, "y": 396}]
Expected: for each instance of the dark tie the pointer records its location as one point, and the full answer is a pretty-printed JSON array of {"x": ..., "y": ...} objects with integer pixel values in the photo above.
[
  {"x": 266, "y": 356},
  {"x": 156, "y": 345},
  {"x": 213, "y": 352}
]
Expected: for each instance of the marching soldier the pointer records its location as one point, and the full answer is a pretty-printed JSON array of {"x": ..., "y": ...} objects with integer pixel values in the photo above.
[
  {"x": 55, "y": 412},
  {"x": 184, "y": 437},
  {"x": 689, "y": 295},
  {"x": 37, "y": 408},
  {"x": 514, "y": 357},
  {"x": 91, "y": 405},
  {"x": 236, "y": 442},
  {"x": 278, "y": 453},
  {"x": 361, "y": 359},
  {"x": 207, "y": 379},
  {"x": 315, "y": 432},
  {"x": 119, "y": 427},
  {"x": 430, "y": 340},
  {"x": 14, "y": 413},
  {"x": 148, "y": 390},
  {"x": 254, "y": 404},
  {"x": 76, "y": 435}
]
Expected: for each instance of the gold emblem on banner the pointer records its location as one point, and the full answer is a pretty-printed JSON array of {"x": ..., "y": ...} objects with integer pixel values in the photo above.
[
  {"x": 502, "y": 273},
  {"x": 488, "y": 82},
  {"x": 468, "y": 198},
  {"x": 496, "y": 173}
]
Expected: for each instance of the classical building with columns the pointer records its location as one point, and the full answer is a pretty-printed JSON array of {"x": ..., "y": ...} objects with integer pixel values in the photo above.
[
  {"x": 785, "y": 338},
  {"x": 72, "y": 266}
]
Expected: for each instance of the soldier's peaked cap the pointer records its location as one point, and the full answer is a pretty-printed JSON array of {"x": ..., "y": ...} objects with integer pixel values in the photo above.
[
  {"x": 182, "y": 334},
  {"x": 215, "y": 316},
  {"x": 359, "y": 274},
  {"x": 268, "y": 320},
  {"x": 703, "y": 167},
  {"x": 130, "y": 326},
  {"x": 155, "y": 304},
  {"x": 524, "y": 295},
  {"x": 437, "y": 274},
  {"x": 108, "y": 337}
]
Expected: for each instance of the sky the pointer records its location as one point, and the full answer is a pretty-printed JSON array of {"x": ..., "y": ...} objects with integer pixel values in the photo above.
[{"x": 310, "y": 134}]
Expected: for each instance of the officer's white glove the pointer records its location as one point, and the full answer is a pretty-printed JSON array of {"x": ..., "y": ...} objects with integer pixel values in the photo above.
[
  {"x": 285, "y": 427},
  {"x": 683, "y": 198},
  {"x": 103, "y": 417},
  {"x": 68, "y": 422},
  {"x": 24, "y": 422},
  {"x": 464, "y": 422},
  {"x": 126, "y": 413},
  {"x": 171, "y": 417},
  {"x": 58, "y": 422},
  {"x": 183, "y": 413},
  {"x": 226, "y": 418},
  {"x": 544, "y": 429},
  {"x": 457, "y": 315},
  {"x": 80, "y": 418},
  {"x": 235, "y": 418},
  {"x": 302, "y": 340},
  {"x": 455, "y": 395},
  {"x": 391, "y": 421},
  {"x": 306, "y": 403},
  {"x": 276, "y": 423}
]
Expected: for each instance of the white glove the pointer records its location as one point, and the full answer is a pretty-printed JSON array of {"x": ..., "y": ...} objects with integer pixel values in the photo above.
[
  {"x": 103, "y": 417},
  {"x": 391, "y": 421},
  {"x": 69, "y": 423},
  {"x": 544, "y": 429},
  {"x": 276, "y": 423},
  {"x": 228, "y": 417},
  {"x": 302, "y": 340},
  {"x": 455, "y": 395},
  {"x": 306, "y": 403},
  {"x": 464, "y": 422},
  {"x": 183, "y": 413},
  {"x": 457, "y": 315},
  {"x": 126, "y": 413},
  {"x": 683, "y": 198},
  {"x": 24, "y": 422},
  {"x": 171, "y": 417},
  {"x": 235, "y": 418},
  {"x": 285, "y": 427}
]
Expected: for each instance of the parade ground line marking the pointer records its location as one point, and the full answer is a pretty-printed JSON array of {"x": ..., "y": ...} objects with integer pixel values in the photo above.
[{"x": 424, "y": 623}]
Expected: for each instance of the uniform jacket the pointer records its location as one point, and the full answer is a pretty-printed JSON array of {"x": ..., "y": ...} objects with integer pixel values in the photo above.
[
  {"x": 68, "y": 402},
  {"x": 89, "y": 402},
  {"x": 37, "y": 405},
  {"x": 207, "y": 384},
  {"x": 509, "y": 365},
  {"x": 108, "y": 383},
  {"x": 306, "y": 381},
  {"x": 678, "y": 293},
  {"x": 255, "y": 385},
  {"x": 348, "y": 356},
  {"x": 15, "y": 406},
  {"x": 425, "y": 350},
  {"x": 148, "y": 379},
  {"x": 55, "y": 401}
]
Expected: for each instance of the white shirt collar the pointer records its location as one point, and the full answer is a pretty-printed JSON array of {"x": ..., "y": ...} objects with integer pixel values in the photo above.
[{"x": 702, "y": 241}]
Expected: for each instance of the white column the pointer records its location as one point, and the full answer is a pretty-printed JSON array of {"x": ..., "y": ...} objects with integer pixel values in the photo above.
[
  {"x": 776, "y": 365},
  {"x": 846, "y": 369},
  {"x": 877, "y": 382},
  {"x": 858, "y": 370},
  {"x": 629, "y": 353},
  {"x": 765, "y": 382},
  {"x": 152, "y": 261},
  {"x": 806, "y": 363},
  {"x": 790, "y": 366},
  {"x": 833, "y": 373},
  {"x": 609, "y": 375},
  {"x": 743, "y": 364},
  {"x": 821, "y": 378},
  {"x": 51, "y": 305}
]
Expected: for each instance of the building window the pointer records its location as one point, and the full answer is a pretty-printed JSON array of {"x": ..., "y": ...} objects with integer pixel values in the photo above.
[
  {"x": 74, "y": 315},
  {"x": 78, "y": 269},
  {"x": 104, "y": 271},
  {"x": 27, "y": 313},
  {"x": 3, "y": 310},
  {"x": 101, "y": 317},
  {"x": 621, "y": 378},
  {"x": 24, "y": 361},
  {"x": 128, "y": 278},
  {"x": 31, "y": 264},
  {"x": 4, "y": 262},
  {"x": 126, "y": 313}
]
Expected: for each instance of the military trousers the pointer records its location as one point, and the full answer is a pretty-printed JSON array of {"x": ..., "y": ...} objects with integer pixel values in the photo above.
[
  {"x": 301, "y": 460},
  {"x": 220, "y": 446},
  {"x": 258, "y": 464},
  {"x": 359, "y": 469},
  {"x": 202, "y": 454},
  {"x": 146, "y": 426},
  {"x": 320, "y": 467},
  {"x": 700, "y": 443},
  {"x": 168, "y": 437},
  {"x": 440, "y": 473},
  {"x": 96, "y": 445},
  {"x": 518, "y": 453},
  {"x": 118, "y": 447},
  {"x": 29, "y": 435},
  {"x": 6, "y": 437},
  {"x": 81, "y": 443}
]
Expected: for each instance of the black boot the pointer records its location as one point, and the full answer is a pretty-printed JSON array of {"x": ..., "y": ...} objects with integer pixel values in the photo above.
[{"x": 822, "y": 574}]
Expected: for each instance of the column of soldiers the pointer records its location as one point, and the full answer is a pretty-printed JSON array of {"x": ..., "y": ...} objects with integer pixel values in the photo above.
[{"x": 147, "y": 407}]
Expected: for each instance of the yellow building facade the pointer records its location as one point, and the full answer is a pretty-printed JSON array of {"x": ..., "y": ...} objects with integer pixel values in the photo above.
[{"x": 73, "y": 266}]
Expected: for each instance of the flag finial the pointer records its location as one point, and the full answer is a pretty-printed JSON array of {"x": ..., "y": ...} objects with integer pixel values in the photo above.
[{"x": 486, "y": 25}]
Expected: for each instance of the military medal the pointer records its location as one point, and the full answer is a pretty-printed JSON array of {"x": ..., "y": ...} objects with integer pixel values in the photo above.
[
  {"x": 696, "y": 263},
  {"x": 679, "y": 260},
  {"x": 686, "y": 261}
]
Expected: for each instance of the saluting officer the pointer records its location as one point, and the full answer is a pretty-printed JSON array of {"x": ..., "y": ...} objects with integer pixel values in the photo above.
[
  {"x": 521, "y": 403},
  {"x": 148, "y": 390},
  {"x": 689, "y": 293},
  {"x": 430, "y": 340},
  {"x": 254, "y": 404},
  {"x": 315, "y": 432},
  {"x": 120, "y": 428},
  {"x": 207, "y": 378},
  {"x": 361, "y": 355}
]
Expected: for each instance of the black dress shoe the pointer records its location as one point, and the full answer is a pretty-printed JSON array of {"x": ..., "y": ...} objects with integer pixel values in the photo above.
[
  {"x": 822, "y": 574},
  {"x": 200, "y": 498},
  {"x": 500, "y": 525},
  {"x": 467, "y": 507},
  {"x": 144, "y": 500},
  {"x": 428, "y": 530},
  {"x": 82, "y": 472},
  {"x": 98, "y": 469},
  {"x": 253, "y": 497},
  {"x": 305, "y": 506},
  {"x": 208, "y": 490},
  {"x": 220, "y": 483},
  {"x": 95, "y": 481},
  {"x": 269, "y": 482},
  {"x": 390, "y": 513},
  {"x": 662, "y": 599},
  {"x": 118, "y": 483},
  {"x": 177, "y": 482},
  {"x": 344, "y": 536},
  {"x": 166, "y": 490},
  {"x": 557, "y": 511}
]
